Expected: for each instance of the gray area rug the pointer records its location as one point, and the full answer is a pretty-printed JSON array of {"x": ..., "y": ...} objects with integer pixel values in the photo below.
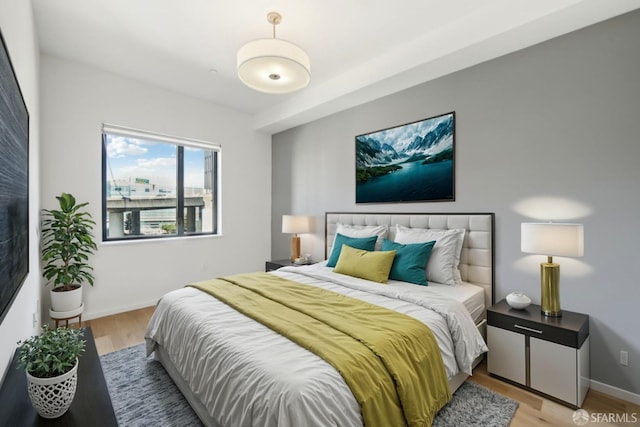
[{"x": 143, "y": 394}]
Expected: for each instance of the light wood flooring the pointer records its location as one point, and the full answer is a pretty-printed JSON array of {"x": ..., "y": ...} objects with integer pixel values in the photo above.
[{"x": 124, "y": 330}]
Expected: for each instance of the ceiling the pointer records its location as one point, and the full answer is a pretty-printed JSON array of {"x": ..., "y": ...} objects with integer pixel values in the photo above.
[{"x": 360, "y": 50}]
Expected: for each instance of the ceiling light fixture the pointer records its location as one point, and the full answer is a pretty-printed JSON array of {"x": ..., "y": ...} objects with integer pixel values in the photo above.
[{"x": 273, "y": 65}]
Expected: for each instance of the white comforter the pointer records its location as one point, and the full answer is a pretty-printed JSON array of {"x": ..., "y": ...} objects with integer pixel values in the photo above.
[{"x": 247, "y": 375}]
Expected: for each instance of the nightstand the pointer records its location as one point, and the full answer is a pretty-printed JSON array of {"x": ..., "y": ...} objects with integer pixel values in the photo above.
[
  {"x": 276, "y": 264},
  {"x": 546, "y": 355}
]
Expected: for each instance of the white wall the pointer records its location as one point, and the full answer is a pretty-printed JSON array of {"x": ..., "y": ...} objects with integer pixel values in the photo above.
[
  {"x": 549, "y": 132},
  {"x": 76, "y": 99},
  {"x": 17, "y": 24}
]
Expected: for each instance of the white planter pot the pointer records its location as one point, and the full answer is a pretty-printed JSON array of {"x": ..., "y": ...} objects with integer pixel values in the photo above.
[
  {"x": 66, "y": 301},
  {"x": 51, "y": 397}
]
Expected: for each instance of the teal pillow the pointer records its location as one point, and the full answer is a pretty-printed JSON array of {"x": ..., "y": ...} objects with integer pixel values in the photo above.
[
  {"x": 411, "y": 259},
  {"x": 364, "y": 243}
]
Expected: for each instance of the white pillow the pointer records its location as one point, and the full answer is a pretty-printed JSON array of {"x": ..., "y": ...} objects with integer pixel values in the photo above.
[
  {"x": 363, "y": 231},
  {"x": 445, "y": 255}
]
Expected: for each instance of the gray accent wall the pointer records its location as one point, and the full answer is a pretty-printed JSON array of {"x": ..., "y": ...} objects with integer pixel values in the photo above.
[{"x": 551, "y": 132}]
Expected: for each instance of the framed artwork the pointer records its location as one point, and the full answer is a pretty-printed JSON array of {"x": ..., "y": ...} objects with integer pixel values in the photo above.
[
  {"x": 14, "y": 184},
  {"x": 408, "y": 163}
]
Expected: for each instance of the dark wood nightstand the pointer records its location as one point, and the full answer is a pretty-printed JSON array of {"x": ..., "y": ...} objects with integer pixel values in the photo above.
[
  {"x": 276, "y": 264},
  {"x": 547, "y": 355}
]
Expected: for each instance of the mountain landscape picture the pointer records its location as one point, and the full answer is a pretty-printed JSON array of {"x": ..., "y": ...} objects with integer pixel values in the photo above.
[{"x": 408, "y": 163}]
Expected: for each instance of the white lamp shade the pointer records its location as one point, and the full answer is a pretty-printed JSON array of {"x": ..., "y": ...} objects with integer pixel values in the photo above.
[
  {"x": 294, "y": 224},
  {"x": 552, "y": 239},
  {"x": 273, "y": 66}
]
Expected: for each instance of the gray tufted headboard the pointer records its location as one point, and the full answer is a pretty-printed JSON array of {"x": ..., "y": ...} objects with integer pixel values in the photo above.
[{"x": 476, "y": 259}]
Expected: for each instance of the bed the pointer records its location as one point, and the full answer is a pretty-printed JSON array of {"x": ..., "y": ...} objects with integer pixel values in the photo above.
[{"x": 235, "y": 371}]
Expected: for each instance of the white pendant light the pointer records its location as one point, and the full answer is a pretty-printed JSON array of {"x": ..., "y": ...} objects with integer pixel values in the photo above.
[{"x": 273, "y": 65}]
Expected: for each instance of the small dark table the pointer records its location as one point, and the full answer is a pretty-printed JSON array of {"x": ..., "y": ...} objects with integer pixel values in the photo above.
[
  {"x": 276, "y": 264},
  {"x": 91, "y": 404}
]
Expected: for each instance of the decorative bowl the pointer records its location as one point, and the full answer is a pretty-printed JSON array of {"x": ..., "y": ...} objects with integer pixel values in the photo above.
[{"x": 518, "y": 300}]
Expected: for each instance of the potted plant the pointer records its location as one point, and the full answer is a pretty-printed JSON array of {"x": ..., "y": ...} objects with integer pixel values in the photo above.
[
  {"x": 67, "y": 242},
  {"x": 51, "y": 364}
]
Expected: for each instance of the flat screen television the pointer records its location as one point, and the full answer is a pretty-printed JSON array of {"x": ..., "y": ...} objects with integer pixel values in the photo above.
[{"x": 14, "y": 184}]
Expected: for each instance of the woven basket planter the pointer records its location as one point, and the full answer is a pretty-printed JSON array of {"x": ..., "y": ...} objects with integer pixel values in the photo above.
[{"x": 51, "y": 397}]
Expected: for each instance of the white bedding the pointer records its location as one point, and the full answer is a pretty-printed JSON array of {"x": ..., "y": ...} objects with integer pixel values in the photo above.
[
  {"x": 470, "y": 295},
  {"x": 247, "y": 375}
]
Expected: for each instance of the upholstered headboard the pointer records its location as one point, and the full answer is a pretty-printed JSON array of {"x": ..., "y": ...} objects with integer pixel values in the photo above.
[{"x": 476, "y": 259}]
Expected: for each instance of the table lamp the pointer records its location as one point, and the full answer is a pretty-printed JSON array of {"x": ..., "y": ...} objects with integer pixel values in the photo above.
[
  {"x": 295, "y": 224},
  {"x": 559, "y": 239}
]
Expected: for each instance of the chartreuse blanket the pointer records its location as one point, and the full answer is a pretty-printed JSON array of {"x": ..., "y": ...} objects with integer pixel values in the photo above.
[{"x": 390, "y": 361}]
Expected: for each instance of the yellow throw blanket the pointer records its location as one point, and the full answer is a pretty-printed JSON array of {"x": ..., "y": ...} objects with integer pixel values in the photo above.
[{"x": 390, "y": 361}]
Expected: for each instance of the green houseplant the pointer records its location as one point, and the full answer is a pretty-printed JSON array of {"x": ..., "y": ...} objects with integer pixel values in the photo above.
[
  {"x": 51, "y": 364},
  {"x": 67, "y": 242}
]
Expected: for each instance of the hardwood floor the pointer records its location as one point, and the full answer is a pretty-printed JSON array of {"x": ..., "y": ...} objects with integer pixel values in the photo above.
[
  {"x": 535, "y": 410},
  {"x": 120, "y": 331},
  {"x": 124, "y": 330}
]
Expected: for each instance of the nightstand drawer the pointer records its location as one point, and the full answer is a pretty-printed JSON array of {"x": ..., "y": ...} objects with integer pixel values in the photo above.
[{"x": 534, "y": 329}]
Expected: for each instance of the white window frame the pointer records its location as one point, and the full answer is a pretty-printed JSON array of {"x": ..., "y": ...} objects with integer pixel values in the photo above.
[{"x": 180, "y": 144}]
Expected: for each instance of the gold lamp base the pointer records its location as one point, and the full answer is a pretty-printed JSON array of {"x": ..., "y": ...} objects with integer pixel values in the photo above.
[
  {"x": 550, "y": 288},
  {"x": 295, "y": 247}
]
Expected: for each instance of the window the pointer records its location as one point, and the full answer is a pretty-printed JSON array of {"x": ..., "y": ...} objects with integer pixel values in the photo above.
[{"x": 156, "y": 186}]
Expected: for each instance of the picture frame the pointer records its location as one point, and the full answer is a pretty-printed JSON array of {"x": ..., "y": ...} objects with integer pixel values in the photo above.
[
  {"x": 413, "y": 162},
  {"x": 14, "y": 184}
]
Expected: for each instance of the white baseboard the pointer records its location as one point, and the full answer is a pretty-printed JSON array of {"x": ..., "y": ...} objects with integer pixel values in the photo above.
[
  {"x": 616, "y": 392},
  {"x": 116, "y": 310}
]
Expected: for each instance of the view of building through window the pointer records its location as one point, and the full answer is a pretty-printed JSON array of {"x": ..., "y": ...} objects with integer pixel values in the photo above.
[{"x": 155, "y": 188}]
